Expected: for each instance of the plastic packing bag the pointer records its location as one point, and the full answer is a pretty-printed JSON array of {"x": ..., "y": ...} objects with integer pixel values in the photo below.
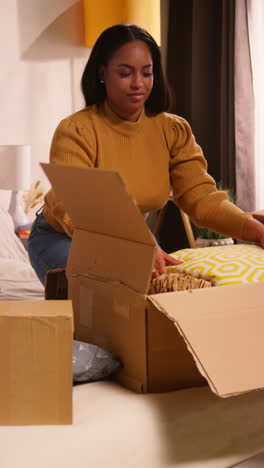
[{"x": 91, "y": 363}]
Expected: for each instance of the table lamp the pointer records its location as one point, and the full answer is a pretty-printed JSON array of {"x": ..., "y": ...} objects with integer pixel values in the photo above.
[{"x": 15, "y": 176}]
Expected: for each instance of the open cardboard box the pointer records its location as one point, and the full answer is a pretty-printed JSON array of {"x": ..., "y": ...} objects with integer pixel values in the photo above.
[{"x": 166, "y": 341}]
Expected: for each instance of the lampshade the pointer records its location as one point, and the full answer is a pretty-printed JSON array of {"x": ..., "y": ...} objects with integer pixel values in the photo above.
[
  {"x": 14, "y": 167},
  {"x": 99, "y": 15},
  {"x": 15, "y": 176}
]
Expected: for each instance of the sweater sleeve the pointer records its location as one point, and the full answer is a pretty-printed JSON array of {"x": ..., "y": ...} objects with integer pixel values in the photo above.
[
  {"x": 194, "y": 190},
  {"x": 72, "y": 145}
]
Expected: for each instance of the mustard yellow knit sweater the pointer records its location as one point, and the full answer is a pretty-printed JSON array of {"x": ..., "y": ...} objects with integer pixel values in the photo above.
[{"x": 153, "y": 155}]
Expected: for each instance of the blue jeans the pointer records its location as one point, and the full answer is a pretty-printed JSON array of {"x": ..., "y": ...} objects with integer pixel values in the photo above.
[{"x": 48, "y": 249}]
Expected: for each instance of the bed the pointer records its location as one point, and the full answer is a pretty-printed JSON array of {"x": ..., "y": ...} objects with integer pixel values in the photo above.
[{"x": 116, "y": 428}]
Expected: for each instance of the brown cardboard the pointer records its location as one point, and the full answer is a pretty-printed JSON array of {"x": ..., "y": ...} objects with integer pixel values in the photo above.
[
  {"x": 167, "y": 341},
  {"x": 106, "y": 218},
  {"x": 222, "y": 329},
  {"x": 56, "y": 285},
  {"x": 36, "y": 362}
]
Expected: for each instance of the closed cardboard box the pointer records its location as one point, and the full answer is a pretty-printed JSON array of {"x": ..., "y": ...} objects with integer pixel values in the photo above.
[
  {"x": 36, "y": 362},
  {"x": 166, "y": 341}
]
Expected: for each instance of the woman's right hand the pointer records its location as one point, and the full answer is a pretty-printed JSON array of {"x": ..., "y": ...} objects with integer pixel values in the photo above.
[{"x": 253, "y": 230}]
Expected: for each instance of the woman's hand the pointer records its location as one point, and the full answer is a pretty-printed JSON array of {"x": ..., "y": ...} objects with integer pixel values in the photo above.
[
  {"x": 253, "y": 231},
  {"x": 162, "y": 260}
]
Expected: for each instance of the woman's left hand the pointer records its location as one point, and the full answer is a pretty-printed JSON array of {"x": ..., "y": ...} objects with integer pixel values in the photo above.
[{"x": 162, "y": 260}]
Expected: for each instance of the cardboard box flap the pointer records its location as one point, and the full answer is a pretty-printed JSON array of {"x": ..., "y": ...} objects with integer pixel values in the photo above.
[
  {"x": 111, "y": 259},
  {"x": 223, "y": 329},
  {"x": 97, "y": 201}
]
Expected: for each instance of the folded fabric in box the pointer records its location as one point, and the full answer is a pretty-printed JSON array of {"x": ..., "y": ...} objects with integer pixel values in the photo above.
[{"x": 223, "y": 265}]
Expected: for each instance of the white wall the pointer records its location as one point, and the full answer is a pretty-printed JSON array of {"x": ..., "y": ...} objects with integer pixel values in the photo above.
[{"x": 42, "y": 58}]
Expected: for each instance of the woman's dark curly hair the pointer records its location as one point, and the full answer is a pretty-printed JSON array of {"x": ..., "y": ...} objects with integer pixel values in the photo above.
[{"x": 161, "y": 97}]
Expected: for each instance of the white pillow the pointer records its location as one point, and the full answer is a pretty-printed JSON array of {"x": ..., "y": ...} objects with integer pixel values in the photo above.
[
  {"x": 10, "y": 245},
  {"x": 18, "y": 281},
  {"x": 223, "y": 265}
]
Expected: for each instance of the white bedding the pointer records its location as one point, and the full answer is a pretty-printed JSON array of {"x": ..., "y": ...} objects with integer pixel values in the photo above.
[
  {"x": 116, "y": 428},
  {"x": 18, "y": 280}
]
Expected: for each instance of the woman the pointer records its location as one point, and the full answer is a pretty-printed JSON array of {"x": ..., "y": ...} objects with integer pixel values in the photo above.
[{"x": 125, "y": 127}]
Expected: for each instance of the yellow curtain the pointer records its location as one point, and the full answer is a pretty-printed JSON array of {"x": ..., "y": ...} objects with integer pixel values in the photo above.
[{"x": 100, "y": 14}]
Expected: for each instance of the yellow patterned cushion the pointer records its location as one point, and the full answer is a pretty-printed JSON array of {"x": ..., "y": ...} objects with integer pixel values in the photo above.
[{"x": 230, "y": 264}]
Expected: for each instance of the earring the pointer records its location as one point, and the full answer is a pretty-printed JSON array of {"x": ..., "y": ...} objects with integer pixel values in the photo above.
[{"x": 102, "y": 81}]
